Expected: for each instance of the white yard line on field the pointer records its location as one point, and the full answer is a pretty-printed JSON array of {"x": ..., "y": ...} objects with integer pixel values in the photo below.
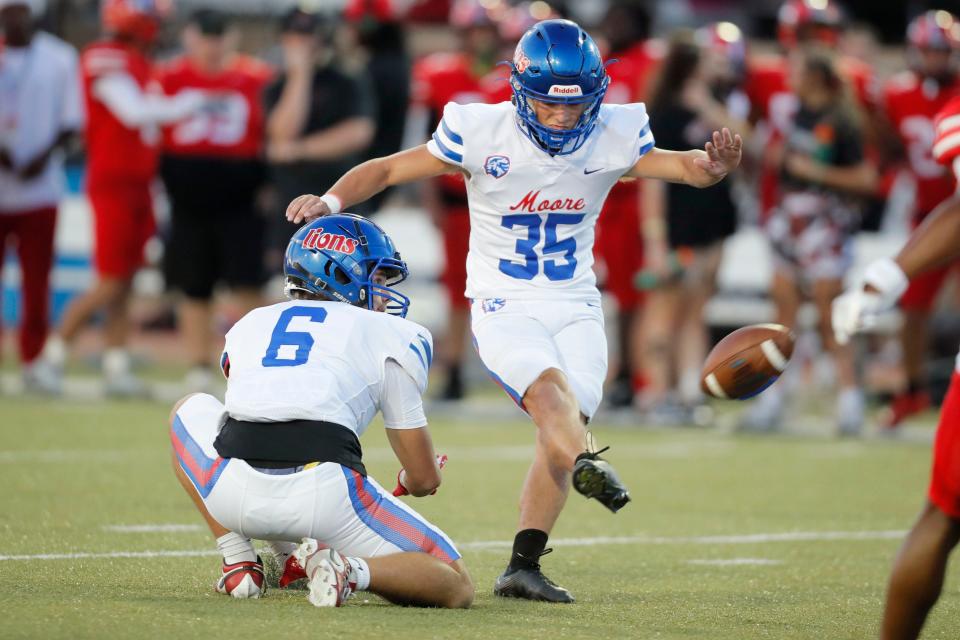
[
  {"x": 735, "y": 562},
  {"x": 484, "y": 545}
]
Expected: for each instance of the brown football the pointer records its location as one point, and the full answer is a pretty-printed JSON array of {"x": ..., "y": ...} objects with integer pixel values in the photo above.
[{"x": 747, "y": 361}]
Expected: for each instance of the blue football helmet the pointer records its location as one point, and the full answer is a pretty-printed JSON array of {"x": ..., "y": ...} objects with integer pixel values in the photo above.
[
  {"x": 335, "y": 257},
  {"x": 556, "y": 61}
]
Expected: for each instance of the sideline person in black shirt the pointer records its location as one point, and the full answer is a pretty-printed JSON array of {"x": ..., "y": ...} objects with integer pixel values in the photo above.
[
  {"x": 696, "y": 92},
  {"x": 319, "y": 122}
]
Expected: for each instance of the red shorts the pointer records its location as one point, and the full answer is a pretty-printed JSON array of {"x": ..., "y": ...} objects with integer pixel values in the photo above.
[
  {"x": 455, "y": 228},
  {"x": 944, "y": 489},
  {"x": 619, "y": 247},
  {"x": 123, "y": 222}
]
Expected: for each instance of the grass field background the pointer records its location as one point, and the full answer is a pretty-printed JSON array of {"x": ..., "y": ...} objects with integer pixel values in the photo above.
[{"x": 674, "y": 564}]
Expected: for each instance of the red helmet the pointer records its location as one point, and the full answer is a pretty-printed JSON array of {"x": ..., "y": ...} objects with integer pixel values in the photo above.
[
  {"x": 466, "y": 14},
  {"x": 822, "y": 18},
  {"x": 934, "y": 30},
  {"x": 726, "y": 39},
  {"x": 135, "y": 19},
  {"x": 379, "y": 10}
]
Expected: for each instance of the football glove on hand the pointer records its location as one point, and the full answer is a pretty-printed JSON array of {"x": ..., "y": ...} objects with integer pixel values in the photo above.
[
  {"x": 857, "y": 309},
  {"x": 401, "y": 490}
]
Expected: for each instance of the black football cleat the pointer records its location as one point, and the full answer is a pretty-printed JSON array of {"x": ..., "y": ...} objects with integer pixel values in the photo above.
[
  {"x": 529, "y": 583},
  {"x": 595, "y": 478}
]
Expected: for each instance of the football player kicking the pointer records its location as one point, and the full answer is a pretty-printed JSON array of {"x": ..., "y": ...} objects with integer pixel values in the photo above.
[
  {"x": 280, "y": 460},
  {"x": 918, "y": 571},
  {"x": 538, "y": 171}
]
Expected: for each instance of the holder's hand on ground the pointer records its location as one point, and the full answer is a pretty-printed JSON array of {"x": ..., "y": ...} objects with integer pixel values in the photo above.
[
  {"x": 307, "y": 208},
  {"x": 401, "y": 490}
]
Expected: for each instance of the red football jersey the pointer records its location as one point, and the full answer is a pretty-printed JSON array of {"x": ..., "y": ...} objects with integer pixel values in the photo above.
[
  {"x": 232, "y": 124},
  {"x": 946, "y": 145},
  {"x": 115, "y": 151},
  {"x": 440, "y": 78},
  {"x": 911, "y": 104}
]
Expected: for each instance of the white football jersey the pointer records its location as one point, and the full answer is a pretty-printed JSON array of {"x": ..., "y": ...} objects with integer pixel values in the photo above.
[
  {"x": 313, "y": 360},
  {"x": 532, "y": 215}
]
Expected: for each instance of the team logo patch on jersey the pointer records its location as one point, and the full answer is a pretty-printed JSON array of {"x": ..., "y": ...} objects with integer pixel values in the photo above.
[
  {"x": 318, "y": 239},
  {"x": 497, "y": 166},
  {"x": 489, "y": 305}
]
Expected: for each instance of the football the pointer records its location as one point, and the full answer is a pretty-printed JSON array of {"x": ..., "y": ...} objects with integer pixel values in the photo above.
[{"x": 747, "y": 361}]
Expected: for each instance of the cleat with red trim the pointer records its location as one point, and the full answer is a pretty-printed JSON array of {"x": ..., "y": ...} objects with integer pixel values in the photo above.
[
  {"x": 292, "y": 572},
  {"x": 328, "y": 573},
  {"x": 904, "y": 405},
  {"x": 242, "y": 579}
]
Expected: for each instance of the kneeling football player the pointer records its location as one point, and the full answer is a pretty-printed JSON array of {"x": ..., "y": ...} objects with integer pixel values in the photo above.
[{"x": 280, "y": 460}]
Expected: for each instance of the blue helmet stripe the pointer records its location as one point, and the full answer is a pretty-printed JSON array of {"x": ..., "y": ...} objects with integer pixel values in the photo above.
[
  {"x": 449, "y": 153},
  {"x": 454, "y": 137}
]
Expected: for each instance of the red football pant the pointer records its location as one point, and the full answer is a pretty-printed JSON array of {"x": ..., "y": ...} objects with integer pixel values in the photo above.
[
  {"x": 945, "y": 477},
  {"x": 455, "y": 228},
  {"x": 32, "y": 232},
  {"x": 123, "y": 222}
]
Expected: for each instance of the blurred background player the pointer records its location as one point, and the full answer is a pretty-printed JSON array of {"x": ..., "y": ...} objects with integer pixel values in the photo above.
[
  {"x": 123, "y": 116},
  {"x": 40, "y": 113},
  {"x": 619, "y": 244},
  {"x": 280, "y": 458},
  {"x": 457, "y": 77},
  {"x": 320, "y": 119},
  {"x": 698, "y": 91},
  {"x": 823, "y": 171},
  {"x": 213, "y": 170},
  {"x": 911, "y": 99},
  {"x": 919, "y": 569}
]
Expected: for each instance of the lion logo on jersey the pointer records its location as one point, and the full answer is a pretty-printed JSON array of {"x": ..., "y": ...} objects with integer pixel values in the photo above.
[{"x": 497, "y": 166}]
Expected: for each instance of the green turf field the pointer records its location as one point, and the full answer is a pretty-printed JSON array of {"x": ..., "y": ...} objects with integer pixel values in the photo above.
[{"x": 694, "y": 556}]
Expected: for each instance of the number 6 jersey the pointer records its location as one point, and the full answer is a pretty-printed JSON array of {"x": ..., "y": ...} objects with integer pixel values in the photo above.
[
  {"x": 312, "y": 360},
  {"x": 532, "y": 215}
]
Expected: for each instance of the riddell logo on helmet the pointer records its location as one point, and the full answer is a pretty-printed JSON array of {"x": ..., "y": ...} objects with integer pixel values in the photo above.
[
  {"x": 318, "y": 239},
  {"x": 565, "y": 90}
]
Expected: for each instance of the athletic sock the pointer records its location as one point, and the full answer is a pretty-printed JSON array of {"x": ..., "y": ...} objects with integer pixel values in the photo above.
[
  {"x": 528, "y": 546},
  {"x": 282, "y": 550},
  {"x": 359, "y": 576},
  {"x": 116, "y": 362},
  {"x": 55, "y": 351},
  {"x": 235, "y": 548}
]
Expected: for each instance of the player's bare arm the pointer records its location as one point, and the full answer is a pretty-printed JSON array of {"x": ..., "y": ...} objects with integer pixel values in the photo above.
[
  {"x": 368, "y": 179},
  {"x": 414, "y": 449},
  {"x": 696, "y": 168}
]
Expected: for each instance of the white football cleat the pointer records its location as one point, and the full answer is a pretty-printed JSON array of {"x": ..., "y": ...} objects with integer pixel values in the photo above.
[
  {"x": 243, "y": 579},
  {"x": 328, "y": 574},
  {"x": 43, "y": 377}
]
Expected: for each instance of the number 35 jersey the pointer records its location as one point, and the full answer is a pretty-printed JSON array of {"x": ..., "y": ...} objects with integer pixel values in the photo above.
[
  {"x": 312, "y": 360},
  {"x": 532, "y": 215}
]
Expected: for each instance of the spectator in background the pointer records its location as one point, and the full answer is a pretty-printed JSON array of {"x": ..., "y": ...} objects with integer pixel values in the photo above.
[
  {"x": 698, "y": 91},
  {"x": 212, "y": 169},
  {"x": 911, "y": 99},
  {"x": 123, "y": 119},
  {"x": 619, "y": 243},
  {"x": 379, "y": 32},
  {"x": 458, "y": 77},
  {"x": 319, "y": 120},
  {"x": 40, "y": 111},
  {"x": 823, "y": 172}
]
